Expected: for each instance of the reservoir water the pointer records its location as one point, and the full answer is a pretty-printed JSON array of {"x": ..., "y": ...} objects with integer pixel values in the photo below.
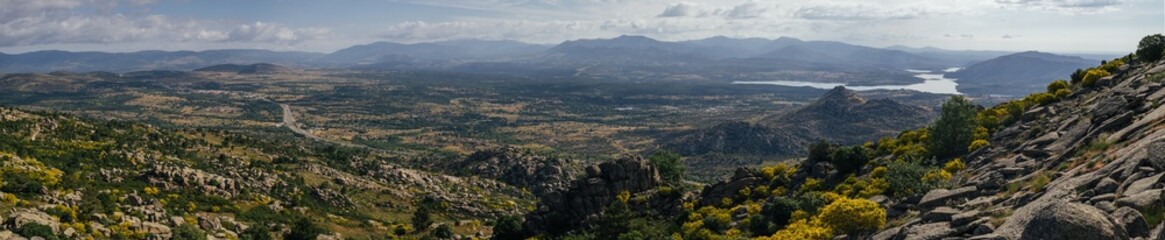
[{"x": 932, "y": 83}]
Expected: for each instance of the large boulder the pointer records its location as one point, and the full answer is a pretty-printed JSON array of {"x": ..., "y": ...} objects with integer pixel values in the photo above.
[
  {"x": 1132, "y": 221},
  {"x": 1057, "y": 219},
  {"x": 939, "y": 197},
  {"x": 21, "y": 217}
]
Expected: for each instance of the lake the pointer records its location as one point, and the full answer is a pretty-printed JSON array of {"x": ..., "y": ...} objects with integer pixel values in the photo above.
[{"x": 932, "y": 83}]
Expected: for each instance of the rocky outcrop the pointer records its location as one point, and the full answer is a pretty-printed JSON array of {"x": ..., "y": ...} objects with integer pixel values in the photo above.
[
  {"x": 178, "y": 177},
  {"x": 580, "y": 205},
  {"x": 519, "y": 168},
  {"x": 743, "y": 178}
]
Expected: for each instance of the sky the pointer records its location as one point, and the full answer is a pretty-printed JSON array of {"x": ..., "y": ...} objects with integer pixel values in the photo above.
[{"x": 1082, "y": 26}]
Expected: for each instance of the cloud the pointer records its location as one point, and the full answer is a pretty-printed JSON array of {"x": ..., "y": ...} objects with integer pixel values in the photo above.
[
  {"x": 857, "y": 12},
  {"x": 745, "y": 11},
  {"x": 274, "y": 33},
  {"x": 37, "y": 22},
  {"x": 1011, "y": 36},
  {"x": 1063, "y": 6},
  {"x": 682, "y": 9}
]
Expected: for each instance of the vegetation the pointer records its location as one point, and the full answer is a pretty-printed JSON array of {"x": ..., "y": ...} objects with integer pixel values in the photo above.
[
  {"x": 670, "y": 165},
  {"x": 1151, "y": 48},
  {"x": 953, "y": 131}
]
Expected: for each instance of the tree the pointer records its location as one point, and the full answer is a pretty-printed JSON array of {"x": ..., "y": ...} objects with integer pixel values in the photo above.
[
  {"x": 670, "y": 166},
  {"x": 443, "y": 231},
  {"x": 304, "y": 229},
  {"x": 509, "y": 228},
  {"x": 820, "y": 151},
  {"x": 849, "y": 159},
  {"x": 954, "y": 130},
  {"x": 1151, "y": 48},
  {"x": 422, "y": 218}
]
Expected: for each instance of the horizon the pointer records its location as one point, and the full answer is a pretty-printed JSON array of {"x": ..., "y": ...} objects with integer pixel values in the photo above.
[
  {"x": 1058, "y": 26},
  {"x": 922, "y": 48}
]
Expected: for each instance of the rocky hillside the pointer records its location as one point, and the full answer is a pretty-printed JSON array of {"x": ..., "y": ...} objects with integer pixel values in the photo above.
[
  {"x": 1079, "y": 161},
  {"x": 63, "y": 177}
]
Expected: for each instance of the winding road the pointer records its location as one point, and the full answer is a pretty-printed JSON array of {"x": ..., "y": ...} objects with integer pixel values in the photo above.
[{"x": 289, "y": 122}]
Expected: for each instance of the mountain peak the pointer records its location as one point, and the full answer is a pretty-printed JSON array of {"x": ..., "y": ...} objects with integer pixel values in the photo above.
[{"x": 841, "y": 95}]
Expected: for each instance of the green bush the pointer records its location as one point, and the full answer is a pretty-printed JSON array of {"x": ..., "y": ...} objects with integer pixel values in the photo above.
[
  {"x": 509, "y": 228},
  {"x": 304, "y": 229},
  {"x": 188, "y": 231},
  {"x": 1151, "y": 48},
  {"x": 905, "y": 178},
  {"x": 37, "y": 230},
  {"x": 670, "y": 165},
  {"x": 779, "y": 210},
  {"x": 954, "y": 130},
  {"x": 257, "y": 232},
  {"x": 849, "y": 159},
  {"x": 443, "y": 231}
]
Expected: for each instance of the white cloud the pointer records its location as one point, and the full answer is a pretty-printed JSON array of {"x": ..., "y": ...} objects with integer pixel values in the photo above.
[
  {"x": 857, "y": 12},
  {"x": 682, "y": 9},
  {"x": 40, "y": 22},
  {"x": 1063, "y": 6}
]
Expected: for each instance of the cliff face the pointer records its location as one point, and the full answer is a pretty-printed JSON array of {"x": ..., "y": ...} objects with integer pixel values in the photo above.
[{"x": 1089, "y": 166}]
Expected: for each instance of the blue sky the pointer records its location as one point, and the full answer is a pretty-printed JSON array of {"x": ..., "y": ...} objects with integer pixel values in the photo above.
[{"x": 327, "y": 25}]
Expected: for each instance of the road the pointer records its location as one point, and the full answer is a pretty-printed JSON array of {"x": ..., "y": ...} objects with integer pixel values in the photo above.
[{"x": 289, "y": 122}]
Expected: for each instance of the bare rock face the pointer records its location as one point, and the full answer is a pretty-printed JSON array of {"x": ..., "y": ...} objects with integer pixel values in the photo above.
[
  {"x": 21, "y": 217},
  {"x": 578, "y": 206},
  {"x": 176, "y": 177},
  {"x": 513, "y": 166},
  {"x": 1055, "y": 219}
]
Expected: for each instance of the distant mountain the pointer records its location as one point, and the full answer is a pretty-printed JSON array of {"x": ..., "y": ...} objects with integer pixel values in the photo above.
[
  {"x": 459, "y": 50},
  {"x": 48, "y": 61},
  {"x": 624, "y": 50},
  {"x": 956, "y": 58},
  {"x": 258, "y": 68},
  {"x": 1017, "y": 74},
  {"x": 840, "y": 115}
]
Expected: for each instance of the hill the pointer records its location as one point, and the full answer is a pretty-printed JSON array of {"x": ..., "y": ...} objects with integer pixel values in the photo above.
[
  {"x": 258, "y": 68},
  {"x": 1016, "y": 74}
]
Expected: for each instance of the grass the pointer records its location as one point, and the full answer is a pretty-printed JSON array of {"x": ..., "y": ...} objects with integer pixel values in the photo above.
[{"x": 1153, "y": 215}]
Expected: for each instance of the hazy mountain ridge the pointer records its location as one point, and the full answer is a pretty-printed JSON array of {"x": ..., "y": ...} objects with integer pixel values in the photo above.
[{"x": 1017, "y": 74}]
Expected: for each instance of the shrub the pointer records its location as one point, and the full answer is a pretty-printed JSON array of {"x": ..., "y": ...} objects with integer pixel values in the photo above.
[
  {"x": 37, "y": 230},
  {"x": 760, "y": 226},
  {"x": 1092, "y": 75},
  {"x": 803, "y": 230},
  {"x": 1057, "y": 85},
  {"x": 670, "y": 165},
  {"x": 304, "y": 229},
  {"x": 443, "y": 231},
  {"x": 950, "y": 135},
  {"x": 509, "y": 228},
  {"x": 257, "y": 232},
  {"x": 954, "y": 166},
  {"x": 977, "y": 144},
  {"x": 188, "y": 231},
  {"x": 905, "y": 178},
  {"x": 849, "y": 159},
  {"x": 1062, "y": 93},
  {"x": 779, "y": 210},
  {"x": 852, "y": 216},
  {"x": 1151, "y": 48},
  {"x": 718, "y": 222}
]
